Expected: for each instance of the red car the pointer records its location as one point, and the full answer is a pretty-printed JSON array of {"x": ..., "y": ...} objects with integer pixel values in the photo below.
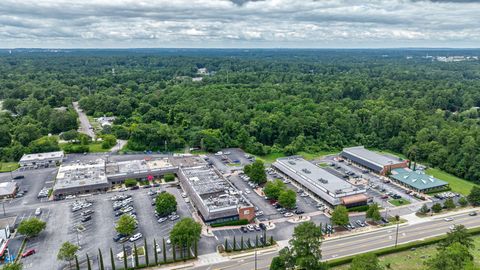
[{"x": 28, "y": 253}]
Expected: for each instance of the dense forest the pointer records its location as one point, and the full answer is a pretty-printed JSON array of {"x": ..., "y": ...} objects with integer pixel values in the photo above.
[{"x": 260, "y": 100}]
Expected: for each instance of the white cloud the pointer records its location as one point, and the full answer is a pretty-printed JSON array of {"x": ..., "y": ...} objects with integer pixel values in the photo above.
[{"x": 238, "y": 23}]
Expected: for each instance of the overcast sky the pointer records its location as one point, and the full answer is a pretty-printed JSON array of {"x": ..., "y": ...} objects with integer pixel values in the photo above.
[{"x": 239, "y": 23}]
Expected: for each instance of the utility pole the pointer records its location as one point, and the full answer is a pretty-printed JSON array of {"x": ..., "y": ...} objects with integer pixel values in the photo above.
[
  {"x": 3, "y": 206},
  {"x": 255, "y": 259},
  {"x": 396, "y": 236}
]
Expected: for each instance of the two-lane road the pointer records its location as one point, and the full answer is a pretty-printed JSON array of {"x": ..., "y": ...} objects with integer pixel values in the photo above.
[
  {"x": 359, "y": 243},
  {"x": 84, "y": 123}
]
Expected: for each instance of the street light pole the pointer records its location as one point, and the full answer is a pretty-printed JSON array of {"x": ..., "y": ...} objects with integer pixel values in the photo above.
[
  {"x": 255, "y": 259},
  {"x": 396, "y": 235}
]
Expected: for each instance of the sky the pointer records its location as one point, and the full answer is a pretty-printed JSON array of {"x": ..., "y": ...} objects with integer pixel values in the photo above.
[{"x": 239, "y": 23}]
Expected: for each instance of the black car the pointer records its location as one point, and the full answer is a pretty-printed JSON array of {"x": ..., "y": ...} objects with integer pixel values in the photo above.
[
  {"x": 134, "y": 187},
  {"x": 156, "y": 185},
  {"x": 263, "y": 226},
  {"x": 385, "y": 220},
  {"x": 299, "y": 212},
  {"x": 86, "y": 218},
  {"x": 244, "y": 229},
  {"x": 19, "y": 177},
  {"x": 117, "y": 237}
]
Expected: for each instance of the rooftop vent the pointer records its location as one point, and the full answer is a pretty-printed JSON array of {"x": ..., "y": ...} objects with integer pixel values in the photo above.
[
  {"x": 306, "y": 170},
  {"x": 291, "y": 162}
]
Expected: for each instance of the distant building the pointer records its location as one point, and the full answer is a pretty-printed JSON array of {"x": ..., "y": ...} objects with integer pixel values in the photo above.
[
  {"x": 215, "y": 198},
  {"x": 378, "y": 163},
  {"x": 8, "y": 189},
  {"x": 197, "y": 79},
  {"x": 41, "y": 159},
  {"x": 105, "y": 120},
  {"x": 202, "y": 71},
  {"x": 321, "y": 183},
  {"x": 417, "y": 180}
]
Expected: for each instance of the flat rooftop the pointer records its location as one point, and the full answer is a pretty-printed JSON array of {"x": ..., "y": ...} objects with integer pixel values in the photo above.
[
  {"x": 373, "y": 157},
  {"x": 318, "y": 178},
  {"x": 417, "y": 179},
  {"x": 7, "y": 188},
  {"x": 215, "y": 192},
  {"x": 132, "y": 167},
  {"x": 81, "y": 174},
  {"x": 42, "y": 156}
]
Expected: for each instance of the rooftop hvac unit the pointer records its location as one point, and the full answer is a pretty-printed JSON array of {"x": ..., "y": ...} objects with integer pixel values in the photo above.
[
  {"x": 338, "y": 191},
  {"x": 323, "y": 181},
  {"x": 291, "y": 162},
  {"x": 306, "y": 170},
  {"x": 431, "y": 179}
]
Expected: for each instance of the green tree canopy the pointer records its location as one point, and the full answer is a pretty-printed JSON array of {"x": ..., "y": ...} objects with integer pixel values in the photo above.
[
  {"x": 373, "y": 212},
  {"x": 474, "y": 196},
  {"x": 186, "y": 232},
  {"x": 340, "y": 216},
  {"x": 67, "y": 252},
  {"x": 453, "y": 257},
  {"x": 367, "y": 261},
  {"x": 126, "y": 225},
  {"x": 165, "y": 203},
  {"x": 460, "y": 235},
  {"x": 31, "y": 227},
  {"x": 287, "y": 198},
  {"x": 273, "y": 189},
  {"x": 256, "y": 172},
  {"x": 436, "y": 208}
]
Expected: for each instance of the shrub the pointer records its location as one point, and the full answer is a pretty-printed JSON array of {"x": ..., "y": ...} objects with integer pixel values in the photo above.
[
  {"x": 130, "y": 182},
  {"x": 169, "y": 177},
  {"x": 361, "y": 208},
  {"x": 231, "y": 223}
]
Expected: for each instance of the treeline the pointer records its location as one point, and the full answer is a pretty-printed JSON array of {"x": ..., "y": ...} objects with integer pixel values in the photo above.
[{"x": 266, "y": 101}]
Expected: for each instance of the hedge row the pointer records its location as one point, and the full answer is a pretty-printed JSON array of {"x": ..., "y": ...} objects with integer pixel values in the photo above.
[
  {"x": 399, "y": 248},
  {"x": 361, "y": 208},
  {"x": 231, "y": 223}
]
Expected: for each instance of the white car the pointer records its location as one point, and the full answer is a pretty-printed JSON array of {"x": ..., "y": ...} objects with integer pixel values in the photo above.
[
  {"x": 250, "y": 227},
  {"x": 187, "y": 200},
  {"x": 247, "y": 191},
  {"x": 288, "y": 214},
  {"x": 163, "y": 219},
  {"x": 38, "y": 211},
  {"x": 174, "y": 217},
  {"x": 184, "y": 195},
  {"x": 135, "y": 237},
  {"x": 447, "y": 219},
  {"x": 452, "y": 227},
  {"x": 70, "y": 197}
]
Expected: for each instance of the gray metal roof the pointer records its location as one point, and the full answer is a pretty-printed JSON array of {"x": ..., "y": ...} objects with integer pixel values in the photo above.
[
  {"x": 316, "y": 179},
  {"x": 373, "y": 157}
]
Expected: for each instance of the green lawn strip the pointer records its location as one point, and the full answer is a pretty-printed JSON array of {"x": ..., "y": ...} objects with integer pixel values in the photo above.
[
  {"x": 390, "y": 254},
  {"x": 456, "y": 184},
  {"x": 415, "y": 257},
  {"x": 270, "y": 158},
  {"x": 97, "y": 147},
  {"x": 8, "y": 166},
  {"x": 399, "y": 202}
]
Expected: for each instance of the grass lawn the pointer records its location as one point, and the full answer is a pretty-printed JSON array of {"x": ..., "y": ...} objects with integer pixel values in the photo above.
[
  {"x": 8, "y": 166},
  {"x": 457, "y": 184},
  {"x": 415, "y": 258},
  {"x": 315, "y": 155},
  {"x": 270, "y": 158},
  {"x": 399, "y": 202},
  {"x": 97, "y": 147}
]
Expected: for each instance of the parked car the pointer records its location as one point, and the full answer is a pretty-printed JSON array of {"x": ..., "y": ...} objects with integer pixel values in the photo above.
[
  {"x": 263, "y": 226},
  {"x": 135, "y": 237},
  {"x": 288, "y": 214},
  {"x": 19, "y": 177},
  {"x": 163, "y": 219},
  {"x": 244, "y": 229},
  {"x": 86, "y": 218},
  {"x": 174, "y": 217},
  {"x": 117, "y": 237},
  {"x": 448, "y": 219},
  {"x": 87, "y": 212},
  {"x": 38, "y": 211},
  {"x": 28, "y": 253},
  {"x": 299, "y": 212},
  {"x": 472, "y": 213}
]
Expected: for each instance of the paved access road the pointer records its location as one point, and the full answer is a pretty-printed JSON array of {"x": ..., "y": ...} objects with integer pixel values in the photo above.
[
  {"x": 359, "y": 243},
  {"x": 84, "y": 123}
]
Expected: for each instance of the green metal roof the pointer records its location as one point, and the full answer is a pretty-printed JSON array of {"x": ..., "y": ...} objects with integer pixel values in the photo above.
[{"x": 417, "y": 179}]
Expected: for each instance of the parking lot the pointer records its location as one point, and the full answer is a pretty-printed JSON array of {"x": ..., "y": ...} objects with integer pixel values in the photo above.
[{"x": 376, "y": 186}]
